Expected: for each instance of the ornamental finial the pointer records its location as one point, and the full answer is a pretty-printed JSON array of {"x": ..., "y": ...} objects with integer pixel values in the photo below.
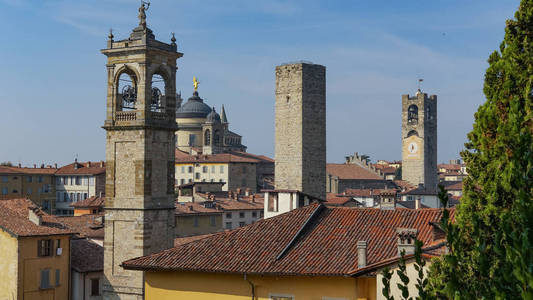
[
  {"x": 173, "y": 39},
  {"x": 195, "y": 83},
  {"x": 111, "y": 36}
]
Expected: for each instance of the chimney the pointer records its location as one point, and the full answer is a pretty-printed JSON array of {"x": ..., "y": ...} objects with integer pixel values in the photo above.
[
  {"x": 100, "y": 195},
  {"x": 88, "y": 164},
  {"x": 253, "y": 198},
  {"x": 34, "y": 217},
  {"x": 20, "y": 166},
  {"x": 406, "y": 240},
  {"x": 247, "y": 192},
  {"x": 55, "y": 165},
  {"x": 190, "y": 208},
  {"x": 417, "y": 203},
  {"x": 34, "y": 166},
  {"x": 239, "y": 191},
  {"x": 101, "y": 164},
  {"x": 361, "y": 254}
]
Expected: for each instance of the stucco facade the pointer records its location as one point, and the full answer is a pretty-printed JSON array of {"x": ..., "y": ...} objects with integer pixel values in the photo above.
[
  {"x": 36, "y": 184},
  {"x": 193, "y": 286}
]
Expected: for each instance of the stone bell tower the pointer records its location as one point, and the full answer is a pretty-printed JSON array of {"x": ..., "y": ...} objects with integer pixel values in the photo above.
[
  {"x": 140, "y": 125},
  {"x": 419, "y": 140}
]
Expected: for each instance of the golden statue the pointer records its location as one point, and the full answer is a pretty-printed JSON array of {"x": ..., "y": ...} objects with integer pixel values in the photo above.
[{"x": 195, "y": 83}]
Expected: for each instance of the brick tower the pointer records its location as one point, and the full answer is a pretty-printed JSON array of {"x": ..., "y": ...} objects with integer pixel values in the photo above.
[
  {"x": 301, "y": 129},
  {"x": 140, "y": 125},
  {"x": 419, "y": 140}
]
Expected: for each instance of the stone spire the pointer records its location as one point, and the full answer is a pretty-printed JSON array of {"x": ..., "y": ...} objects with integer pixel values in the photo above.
[{"x": 223, "y": 115}]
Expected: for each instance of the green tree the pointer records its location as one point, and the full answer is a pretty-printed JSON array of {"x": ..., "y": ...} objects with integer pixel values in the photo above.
[{"x": 491, "y": 253}]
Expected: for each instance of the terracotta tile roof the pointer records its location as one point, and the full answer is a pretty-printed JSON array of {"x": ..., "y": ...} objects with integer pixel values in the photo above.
[
  {"x": 94, "y": 201},
  {"x": 83, "y": 168},
  {"x": 326, "y": 243},
  {"x": 233, "y": 156},
  {"x": 195, "y": 208},
  {"x": 14, "y": 219},
  {"x": 184, "y": 240},
  {"x": 403, "y": 184},
  {"x": 336, "y": 200},
  {"x": 24, "y": 171},
  {"x": 86, "y": 226},
  {"x": 449, "y": 167},
  {"x": 87, "y": 256},
  {"x": 350, "y": 171},
  {"x": 453, "y": 185}
]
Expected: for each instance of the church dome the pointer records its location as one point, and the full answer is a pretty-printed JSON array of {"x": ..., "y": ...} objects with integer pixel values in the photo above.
[
  {"x": 213, "y": 117},
  {"x": 193, "y": 108}
]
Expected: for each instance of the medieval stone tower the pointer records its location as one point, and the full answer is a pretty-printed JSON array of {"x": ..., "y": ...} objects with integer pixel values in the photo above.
[
  {"x": 300, "y": 150},
  {"x": 140, "y": 125},
  {"x": 419, "y": 140}
]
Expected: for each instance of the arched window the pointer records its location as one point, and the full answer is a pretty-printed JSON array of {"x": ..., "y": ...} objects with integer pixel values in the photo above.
[
  {"x": 157, "y": 102},
  {"x": 412, "y": 114},
  {"x": 412, "y": 132},
  {"x": 207, "y": 137},
  {"x": 217, "y": 137},
  {"x": 127, "y": 90}
]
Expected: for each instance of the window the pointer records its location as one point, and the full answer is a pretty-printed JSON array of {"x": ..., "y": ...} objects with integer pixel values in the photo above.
[
  {"x": 412, "y": 114},
  {"x": 78, "y": 197},
  {"x": 85, "y": 196},
  {"x": 95, "y": 287},
  {"x": 244, "y": 182},
  {"x": 213, "y": 169},
  {"x": 182, "y": 169},
  {"x": 190, "y": 180},
  {"x": 192, "y": 139},
  {"x": 40, "y": 178},
  {"x": 213, "y": 221},
  {"x": 217, "y": 137},
  {"x": 29, "y": 178},
  {"x": 228, "y": 225},
  {"x": 241, "y": 214},
  {"x": 44, "y": 248},
  {"x": 15, "y": 191},
  {"x": 254, "y": 214},
  {"x": 78, "y": 180},
  {"x": 190, "y": 169},
  {"x": 182, "y": 181},
  {"x": 272, "y": 202},
  {"x": 4, "y": 191},
  {"x": 212, "y": 180},
  {"x": 204, "y": 169},
  {"x": 221, "y": 169},
  {"x": 241, "y": 224},
  {"x": 207, "y": 137},
  {"x": 261, "y": 213},
  {"x": 45, "y": 204},
  {"x": 58, "y": 243},
  {"x": 197, "y": 175},
  {"x": 71, "y": 197},
  {"x": 228, "y": 215},
  {"x": 85, "y": 180},
  {"x": 91, "y": 181},
  {"x": 45, "y": 279},
  {"x": 244, "y": 169},
  {"x": 46, "y": 188},
  {"x": 4, "y": 178},
  {"x": 195, "y": 221},
  {"x": 57, "y": 277}
]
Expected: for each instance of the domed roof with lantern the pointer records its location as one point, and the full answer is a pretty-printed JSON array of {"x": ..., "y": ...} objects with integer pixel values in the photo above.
[
  {"x": 213, "y": 117},
  {"x": 193, "y": 108}
]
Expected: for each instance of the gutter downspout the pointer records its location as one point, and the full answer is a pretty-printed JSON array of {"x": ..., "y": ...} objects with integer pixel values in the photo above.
[{"x": 251, "y": 285}]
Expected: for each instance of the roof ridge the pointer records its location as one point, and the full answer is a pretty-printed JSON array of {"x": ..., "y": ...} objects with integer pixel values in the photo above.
[{"x": 300, "y": 231}]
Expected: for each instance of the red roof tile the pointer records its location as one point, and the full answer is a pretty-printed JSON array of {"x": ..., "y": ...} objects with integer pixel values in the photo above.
[
  {"x": 350, "y": 171},
  {"x": 24, "y": 171},
  {"x": 236, "y": 157},
  {"x": 94, "y": 201},
  {"x": 325, "y": 246},
  {"x": 86, "y": 226},
  {"x": 14, "y": 219},
  {"x": 84, "y": 168},
  {"x": 87, "y": 256},
  {"x": 184, "y": 240}
]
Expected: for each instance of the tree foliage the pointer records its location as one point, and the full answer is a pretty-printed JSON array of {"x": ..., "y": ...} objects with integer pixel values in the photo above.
[{"x": 491, "y": 256}]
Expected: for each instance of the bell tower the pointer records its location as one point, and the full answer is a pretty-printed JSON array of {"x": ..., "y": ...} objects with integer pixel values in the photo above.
[
  {"x": 140, "y": 125},
  {"x": 419, "y": 140}
]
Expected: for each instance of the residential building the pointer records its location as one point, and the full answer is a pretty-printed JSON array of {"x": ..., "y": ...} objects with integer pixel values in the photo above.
[
  {"x": 91, "y": 205},
  {"x": 87, "y": 270},
  {"x": 76, "y": 182},
  {"x": 235, "y": 169},
  {"x": 34, "y": 253},
  {"x": 426, "y": 197},
  {"x": 36, "y": 184},
  {"x": 216, "y": 211},
  {"x": 296, "y": 255},
  {"x": 353, "y": 176}
]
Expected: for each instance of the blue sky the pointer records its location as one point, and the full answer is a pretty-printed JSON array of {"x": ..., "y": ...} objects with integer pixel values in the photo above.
[{"x": 53, "y": 77}]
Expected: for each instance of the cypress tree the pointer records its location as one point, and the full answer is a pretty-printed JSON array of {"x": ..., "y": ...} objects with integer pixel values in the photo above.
[{"x": 491, "y": 251}]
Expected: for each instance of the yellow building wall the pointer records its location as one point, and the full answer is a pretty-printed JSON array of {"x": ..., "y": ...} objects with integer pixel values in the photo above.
[
  {"x": 19, "y": 187},
  {"x": 30, "y": 266},
  {"x": 8, "y": 266},
  {"x": 185, "y": 225},
  {"x": 182, "y": 135},
  {"x": 203, "y": 286},
  {"x": 81, "y": 212}
]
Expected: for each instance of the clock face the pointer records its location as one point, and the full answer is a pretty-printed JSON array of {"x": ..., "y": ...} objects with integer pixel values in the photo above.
[{"x": 412, "y": 148}]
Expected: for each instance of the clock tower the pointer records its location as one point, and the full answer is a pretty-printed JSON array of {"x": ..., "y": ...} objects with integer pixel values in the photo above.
[{"x": 419, "y": 140}]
